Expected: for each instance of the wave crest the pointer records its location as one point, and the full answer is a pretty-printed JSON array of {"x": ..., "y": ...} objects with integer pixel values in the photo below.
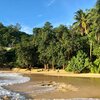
[{"x": 10, "y": 79}]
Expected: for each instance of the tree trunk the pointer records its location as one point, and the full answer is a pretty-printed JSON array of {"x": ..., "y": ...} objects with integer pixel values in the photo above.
[
  {"x": 45, "y": 66},
  {"x": 91, "y": 50},
  {"x": 53, "y": 68},
  {"x": 98, "y": 38},
  {"x": 63, "y": 66},
  {"x": 86, "y": 31}
]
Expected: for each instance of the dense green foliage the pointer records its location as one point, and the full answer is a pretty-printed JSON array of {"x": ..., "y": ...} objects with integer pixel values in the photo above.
[
  {"x": 26, "y": 56},
  {"x": 78, "y": 63},
  {"x": 75, "y": 48},
  {"x": 10, "y": 35}
]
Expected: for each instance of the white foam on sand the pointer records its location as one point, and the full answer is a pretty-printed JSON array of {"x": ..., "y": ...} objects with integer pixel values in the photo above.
[
  {"x": 15, "y": 78},
  {"x": 10, "y": 79}
]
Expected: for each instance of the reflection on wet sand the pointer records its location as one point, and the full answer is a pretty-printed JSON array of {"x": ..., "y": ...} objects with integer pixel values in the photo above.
[{"x": 50, "y": 87}]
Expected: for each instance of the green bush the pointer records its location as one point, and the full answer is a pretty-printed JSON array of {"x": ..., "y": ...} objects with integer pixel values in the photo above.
[
  {"x": 96, "y": 67},
  {"x": 78, "y": 63}
]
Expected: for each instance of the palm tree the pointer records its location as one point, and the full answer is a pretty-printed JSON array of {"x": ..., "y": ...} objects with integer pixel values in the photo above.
[
  {"x": 98, "y": 5},
  {"x": 94, "y": 20},
  {"x": 97, "y": 21},
  {"x": 81, "y": 21}
]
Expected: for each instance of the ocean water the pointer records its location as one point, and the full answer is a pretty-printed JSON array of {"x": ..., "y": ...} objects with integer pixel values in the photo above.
[
  {"x": 10, "y": 79},
  {"x": 15, "y": 78}
]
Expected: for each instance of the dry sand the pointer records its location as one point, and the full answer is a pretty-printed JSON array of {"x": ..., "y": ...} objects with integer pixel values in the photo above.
[
  {"x": 52, "y": 73},
  {"x": 55, "y": 73}
]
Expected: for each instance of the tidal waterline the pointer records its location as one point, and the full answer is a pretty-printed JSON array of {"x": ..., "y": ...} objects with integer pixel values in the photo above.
[
  {"x": 10, "y": 79},
  {"x": 86, "y": 87}
]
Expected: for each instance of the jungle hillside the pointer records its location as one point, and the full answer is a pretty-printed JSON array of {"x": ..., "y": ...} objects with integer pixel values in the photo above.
[{"x": 74, "y": 48}]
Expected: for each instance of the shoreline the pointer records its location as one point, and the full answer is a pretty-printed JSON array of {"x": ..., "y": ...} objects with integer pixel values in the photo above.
[
  {"x": 73, "y": 87},
  {"x": 53, "y": 73}
]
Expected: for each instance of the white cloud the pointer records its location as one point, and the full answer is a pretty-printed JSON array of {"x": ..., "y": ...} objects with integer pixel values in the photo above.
[
  {"x": 26, "y": 29},
  {"x": 51, "y": 2}
]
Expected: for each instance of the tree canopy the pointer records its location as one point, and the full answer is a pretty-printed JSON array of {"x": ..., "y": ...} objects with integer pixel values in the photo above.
[{"x": 74, "y": 48}]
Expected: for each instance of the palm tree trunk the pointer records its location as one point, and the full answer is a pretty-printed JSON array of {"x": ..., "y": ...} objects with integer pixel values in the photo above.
[
  {"x": 45, "y": 66},
  {"x": 86, "y": 31},
  {"x": 91, "y": 47},
  {"x": 53, "y": 68}
]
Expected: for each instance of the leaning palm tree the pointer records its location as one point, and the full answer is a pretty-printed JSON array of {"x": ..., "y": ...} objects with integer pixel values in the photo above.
[
  {"x": 97, "y": 20},
  {"x": 94, "y": 21},
  {"x": 81, "y": 21},
  {"x": 98, "y": 5}
]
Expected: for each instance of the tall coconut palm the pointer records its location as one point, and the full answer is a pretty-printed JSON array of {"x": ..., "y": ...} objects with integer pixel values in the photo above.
[
  {"x": 91, "y": 29},
  {"x": 81, "y": 21},
  {"x": 97, "y": 21},
  {"x": 98, "y": 5},
  {"x": 93, "y": 20}
]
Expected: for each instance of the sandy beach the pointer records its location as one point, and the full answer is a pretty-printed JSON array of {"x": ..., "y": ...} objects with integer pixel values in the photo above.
[
  {"x": 53, "y": 73},
  {"x": 71, "y": 85},
  {"x": 64, "y": 73}
]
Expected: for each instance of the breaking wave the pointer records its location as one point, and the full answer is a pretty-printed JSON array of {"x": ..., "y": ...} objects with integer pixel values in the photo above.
[{"x": 10, "y": 79}]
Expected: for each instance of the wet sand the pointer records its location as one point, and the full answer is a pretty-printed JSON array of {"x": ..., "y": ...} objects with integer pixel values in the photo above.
[
  {"x": 87, "y": 84},
  {"x": 86, "y": 87}
]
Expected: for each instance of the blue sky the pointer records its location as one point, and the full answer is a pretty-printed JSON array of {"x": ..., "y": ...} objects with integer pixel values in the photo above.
[{"x": 34, "y": 13}]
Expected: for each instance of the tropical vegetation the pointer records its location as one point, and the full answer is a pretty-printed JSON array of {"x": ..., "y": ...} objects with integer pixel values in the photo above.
[{"x": 75, "y": 48}]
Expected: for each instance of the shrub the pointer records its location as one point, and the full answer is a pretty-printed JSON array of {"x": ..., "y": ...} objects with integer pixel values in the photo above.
[
  {"x": 78, "y": 63},
  {"x": 96, "y": 67}
]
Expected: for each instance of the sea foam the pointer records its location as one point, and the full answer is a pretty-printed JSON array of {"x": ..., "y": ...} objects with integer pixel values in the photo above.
[{"x": 10, "y": 79}]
